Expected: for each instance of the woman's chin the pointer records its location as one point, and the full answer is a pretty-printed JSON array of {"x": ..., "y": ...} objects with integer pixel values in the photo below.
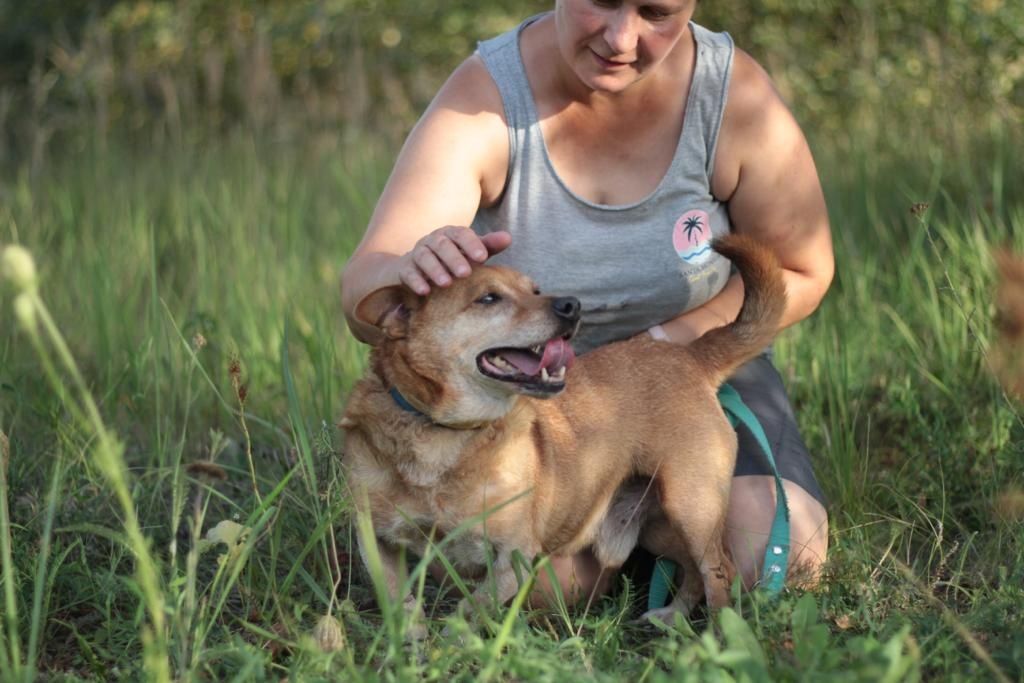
[
  {"x": 609, "y": 84},
  {"x": 609, "y": 81}
]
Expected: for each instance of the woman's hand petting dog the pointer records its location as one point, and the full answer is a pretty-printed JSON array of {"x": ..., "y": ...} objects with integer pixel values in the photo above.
[{"x": 447, "y": 253}]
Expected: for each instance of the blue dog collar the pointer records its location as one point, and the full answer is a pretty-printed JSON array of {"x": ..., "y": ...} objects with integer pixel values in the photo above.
[{"x": 404, "y": 404}]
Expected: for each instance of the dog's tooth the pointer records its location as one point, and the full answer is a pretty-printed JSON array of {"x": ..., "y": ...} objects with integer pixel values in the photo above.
[
  {"x": 560, "y": 375},
  {"x": 544, "y": 375}
]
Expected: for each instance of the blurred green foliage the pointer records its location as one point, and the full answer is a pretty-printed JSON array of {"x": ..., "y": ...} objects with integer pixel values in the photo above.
[{"x": 859, "y": 66}]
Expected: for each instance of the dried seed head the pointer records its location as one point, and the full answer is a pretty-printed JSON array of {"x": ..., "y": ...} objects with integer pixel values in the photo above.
[
  {"x": 5, "y": 450},
  {"x": 919, "y": 208},
  {"x": 328, "y": 634},
  {"x": 1009, "y": 505},
  {"x": 198, "y": 341},
  {"x": 18, "y": 267},
  {"x": 235, "y": 371},
  {"x": 25, "y": 311},
  {"x": 227, "y": 532},
  {"x": 203, "y": 468}
]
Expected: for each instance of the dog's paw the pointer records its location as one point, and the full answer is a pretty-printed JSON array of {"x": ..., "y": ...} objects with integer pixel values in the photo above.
[
  {"x": 465, "y": 623},
  {"x": 474, "y": 611},
  {"x": 664, "y": 615},
  {"x": 416, "y": 628},
  {"x": 457, "y": 636},
  {"x": 463, "y": 635},
  {"x": 415, "y": 632}
]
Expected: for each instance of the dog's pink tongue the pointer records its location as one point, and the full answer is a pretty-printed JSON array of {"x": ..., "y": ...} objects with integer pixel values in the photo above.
[
  {"x": 525, "y": 362},
  {"x": 558, "y": 353}
]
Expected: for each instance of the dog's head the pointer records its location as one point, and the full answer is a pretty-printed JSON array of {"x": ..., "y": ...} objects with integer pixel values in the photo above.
[{"x": 465, "y": 352}]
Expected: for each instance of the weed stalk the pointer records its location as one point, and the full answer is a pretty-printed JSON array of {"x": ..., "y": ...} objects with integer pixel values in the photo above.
[{"x": 108, "y": 452}]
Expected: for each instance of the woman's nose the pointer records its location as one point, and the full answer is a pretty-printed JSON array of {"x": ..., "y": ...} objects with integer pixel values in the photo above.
[{"x": 622, "y": 31}]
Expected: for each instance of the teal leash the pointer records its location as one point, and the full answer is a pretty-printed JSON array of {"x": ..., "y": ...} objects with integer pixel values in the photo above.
[{"x": 776, "y": 555}]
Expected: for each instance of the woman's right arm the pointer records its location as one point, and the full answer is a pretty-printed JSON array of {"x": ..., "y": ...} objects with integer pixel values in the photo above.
[{"x": 454, "y": 161}]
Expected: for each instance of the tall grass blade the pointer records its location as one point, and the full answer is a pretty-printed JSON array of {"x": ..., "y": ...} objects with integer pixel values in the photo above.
[
  {"x": 42, "y": 560},
  {"x": 11, "y": 661}
]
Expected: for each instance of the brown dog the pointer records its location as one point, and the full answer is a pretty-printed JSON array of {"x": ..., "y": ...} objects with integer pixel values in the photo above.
[{"x": 491, "y": 418}]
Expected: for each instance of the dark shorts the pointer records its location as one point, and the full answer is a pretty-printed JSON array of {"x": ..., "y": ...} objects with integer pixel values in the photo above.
[{"x": 760, "y": 386}]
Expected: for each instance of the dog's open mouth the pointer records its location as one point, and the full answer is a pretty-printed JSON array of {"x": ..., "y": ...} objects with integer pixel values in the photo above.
[{"x": 540, "y": 368}]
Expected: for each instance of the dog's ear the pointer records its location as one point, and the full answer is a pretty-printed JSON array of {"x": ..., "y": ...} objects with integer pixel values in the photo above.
[{"x": 388, "y": 309}]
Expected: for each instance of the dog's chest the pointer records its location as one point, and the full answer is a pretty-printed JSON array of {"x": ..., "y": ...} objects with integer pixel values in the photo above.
[{"x": 470, "y": 522}]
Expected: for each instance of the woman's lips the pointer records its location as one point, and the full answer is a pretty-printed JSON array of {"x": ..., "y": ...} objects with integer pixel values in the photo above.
[{"x": 607, "y": 63}]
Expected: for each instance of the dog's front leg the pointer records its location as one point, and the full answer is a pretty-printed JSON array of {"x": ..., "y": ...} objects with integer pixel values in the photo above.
[
  {"x": 498, "y": 590},
  {"x": 390, "y": 565}
]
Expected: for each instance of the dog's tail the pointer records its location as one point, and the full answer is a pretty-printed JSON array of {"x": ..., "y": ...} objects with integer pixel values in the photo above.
[{"x": 724, "y": 349}]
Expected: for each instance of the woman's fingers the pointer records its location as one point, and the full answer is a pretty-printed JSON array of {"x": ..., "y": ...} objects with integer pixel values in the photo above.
[
  {"x": 452, "y": 253},
  {"x": 412, "y": 278},
  {"x": 449, "y": 252},
  {"x": 425, "y": 257},
  {"x": 469, "y": 243},
  {"x": 496, "y": 242}
]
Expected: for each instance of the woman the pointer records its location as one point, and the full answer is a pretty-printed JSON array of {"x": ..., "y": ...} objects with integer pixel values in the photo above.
[{"x": 598, "y": 148}]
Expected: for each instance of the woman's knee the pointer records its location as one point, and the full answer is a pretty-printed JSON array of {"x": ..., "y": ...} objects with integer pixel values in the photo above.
[{"x": 751, "y": 511}]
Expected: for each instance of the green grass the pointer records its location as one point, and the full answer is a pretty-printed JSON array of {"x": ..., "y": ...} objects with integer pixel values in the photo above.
[{"x": 142, "y": 251}]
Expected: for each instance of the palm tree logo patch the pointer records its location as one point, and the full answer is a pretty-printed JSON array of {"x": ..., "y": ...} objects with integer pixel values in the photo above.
[{"x": 691, "y": 237}]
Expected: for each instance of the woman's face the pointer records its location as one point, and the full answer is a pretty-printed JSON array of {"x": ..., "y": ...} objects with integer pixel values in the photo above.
[{"x": 611, "y": 44}]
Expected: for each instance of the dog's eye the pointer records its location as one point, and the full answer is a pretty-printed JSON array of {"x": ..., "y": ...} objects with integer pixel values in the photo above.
[
  {"x": 536, "y": 291},
  {"x": 489, "y": 298}
]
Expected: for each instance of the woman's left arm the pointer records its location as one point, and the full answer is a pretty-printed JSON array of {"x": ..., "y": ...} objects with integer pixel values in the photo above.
[{"x": 765, "y": 172}]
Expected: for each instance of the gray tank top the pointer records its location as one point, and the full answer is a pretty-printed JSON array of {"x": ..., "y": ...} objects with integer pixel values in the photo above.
[{"x": 633, "y": 265}]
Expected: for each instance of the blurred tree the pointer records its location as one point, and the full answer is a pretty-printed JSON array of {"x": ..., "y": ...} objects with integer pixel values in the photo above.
[
  {"x": 863, "y": 65},
  {"x": 28, "y": 28}
]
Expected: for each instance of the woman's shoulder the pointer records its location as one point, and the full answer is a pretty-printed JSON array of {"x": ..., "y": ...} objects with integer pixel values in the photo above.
[
  {"x": 750, "y": 85},
  {"x": 496, "y": 58},
  {"x": 470, "y": 99},
  {"x": 755, "y": 115},
  {"x": 471, "y": 85},
  {"x": 754, "y": 107},
  {"x": 465, "y": 123}
]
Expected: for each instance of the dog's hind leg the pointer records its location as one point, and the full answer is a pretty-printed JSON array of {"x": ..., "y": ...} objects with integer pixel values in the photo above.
[
  {"x": 697, "y": 514},
  {"x": 620, "y": 529},
  {"x": 700, "y": 523},
  {"x": 660, "y": 538}
]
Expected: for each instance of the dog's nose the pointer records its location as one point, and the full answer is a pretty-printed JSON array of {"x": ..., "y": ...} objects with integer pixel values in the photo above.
[{"x": 567, "y": 308}]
